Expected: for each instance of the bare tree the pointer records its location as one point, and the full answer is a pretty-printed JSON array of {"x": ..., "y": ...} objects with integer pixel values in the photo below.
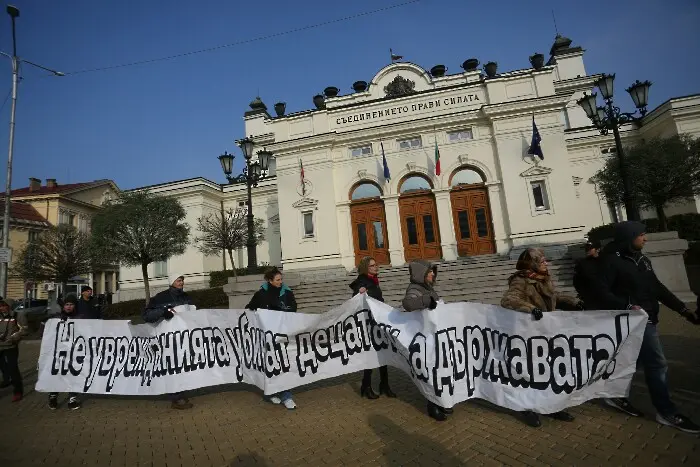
[{"x": 226, "y": 232}]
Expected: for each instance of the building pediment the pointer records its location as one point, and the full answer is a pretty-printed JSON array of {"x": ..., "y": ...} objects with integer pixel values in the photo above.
[
  {"x": 536, "y": 171},
  {"x": 398, "y": 80},
  {"x": 305, "y": 203}
]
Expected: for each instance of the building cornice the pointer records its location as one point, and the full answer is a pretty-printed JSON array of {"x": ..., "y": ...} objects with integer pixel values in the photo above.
[{"x": 527, "y": 106}]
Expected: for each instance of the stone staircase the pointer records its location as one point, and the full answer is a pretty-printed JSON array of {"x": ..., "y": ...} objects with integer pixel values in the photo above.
[{"x": 481, "y": 279}]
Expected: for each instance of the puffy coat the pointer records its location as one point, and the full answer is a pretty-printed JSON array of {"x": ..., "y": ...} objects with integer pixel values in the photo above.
[
  {"x": 525, "y": 294},
  {"x": 419, "y": 293}
]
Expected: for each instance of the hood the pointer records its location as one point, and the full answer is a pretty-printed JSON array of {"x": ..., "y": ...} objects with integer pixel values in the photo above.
[
  {"x": 625, "y": 232},
  {"x": 173, "y": 277},
  {"x": 283, "y": 288},
  {"x": 419, "y": 269}
]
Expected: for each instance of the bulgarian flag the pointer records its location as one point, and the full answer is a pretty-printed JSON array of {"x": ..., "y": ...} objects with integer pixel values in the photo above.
[
  {"x": 437, "y": 159},
  {"x": 301, "y": 174}
]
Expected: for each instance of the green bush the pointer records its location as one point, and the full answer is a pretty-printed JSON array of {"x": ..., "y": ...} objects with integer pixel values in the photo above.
[
  {"x": 220, "y": 278},
  {"x": 204, "y": 298},
  {"x": 687, "y": 226}
]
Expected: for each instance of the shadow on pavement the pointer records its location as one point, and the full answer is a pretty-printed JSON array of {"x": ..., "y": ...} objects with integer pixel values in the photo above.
[
  {"x": 248, "y": 459},
  {"x": 397, "y": 441}
]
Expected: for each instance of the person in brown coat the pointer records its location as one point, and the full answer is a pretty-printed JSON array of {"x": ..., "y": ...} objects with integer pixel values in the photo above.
[{"x": 530, "y": 290}]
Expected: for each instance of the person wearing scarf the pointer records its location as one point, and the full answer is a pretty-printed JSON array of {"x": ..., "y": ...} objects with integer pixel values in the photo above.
[
  {"x": 530, "y": 290},
  {"x": 368, "y": 282},
  {"x": 162, "y": 306}
]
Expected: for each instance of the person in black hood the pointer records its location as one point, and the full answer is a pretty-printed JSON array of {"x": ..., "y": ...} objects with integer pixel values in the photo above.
[
  {"x": 587, "y": 276},
  {"x": 368, "y": 282},
  {"x": 162, "y": 306},
  {"x": 274, "y": 295},
  {"x": 87, "y": 306},
  {"x": 628, "y": 282}
]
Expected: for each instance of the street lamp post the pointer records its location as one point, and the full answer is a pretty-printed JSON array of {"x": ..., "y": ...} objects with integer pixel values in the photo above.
[
  {"x": 251, "y": 175},
  {"x": 609, "y": 117},
  {"x": 4, "y": 267}
]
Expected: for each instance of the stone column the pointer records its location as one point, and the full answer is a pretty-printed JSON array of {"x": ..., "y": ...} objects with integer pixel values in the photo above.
[
  {"x": 665, "y": 250},
  {"x": 347, "y": 249},
  {"x": 448, "y": 240},
  {"x": 101, "y": 285},
  {"x": 114, "y": 282},
  {"x": 393, "y": 228},
  {"x": 498, "y": 217}
]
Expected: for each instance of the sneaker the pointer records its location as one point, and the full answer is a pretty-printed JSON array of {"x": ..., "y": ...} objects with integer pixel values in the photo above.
[
  {"x": 74, "y": 403},
  {"x": 17, "y": 397},
  {"x": 531, "y": 419},
  {"x": 53, "y": 402},
  {"x": 289, "y": 403},
  {"x": 275, "y": 400},
  {"x": 679, "y": 422},
  {"x": 623, "y": 405}
]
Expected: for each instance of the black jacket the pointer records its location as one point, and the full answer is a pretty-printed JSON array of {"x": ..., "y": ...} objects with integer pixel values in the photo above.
[
  {"x": 273, "y": 298},
  {"x": 87, "y": 309},
  {"x": 373, "y": 289},
  {"x": 628, "y": 278},
  {"x": 587, "y": 282},
  {"x": 162, "y": 301}
]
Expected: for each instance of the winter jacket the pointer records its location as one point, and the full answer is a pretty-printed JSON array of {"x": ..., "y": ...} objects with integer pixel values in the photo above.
[
  {"x": 587, "y": 282},
  {"x": 419, "y": 293},
  {"x": 88, "y": 309},
  {"x": 273, "y": 298},
  {"x": 163, "y": 301},
  {"x": 373, "y": 289},
  {"x": 628, "y": 278},
  {"x": 525, "y": 294},
  {"x": 13, "y": 326}
]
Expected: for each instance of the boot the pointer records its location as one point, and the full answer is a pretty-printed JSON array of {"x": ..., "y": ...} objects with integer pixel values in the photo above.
[
  {"x": 562, "y": 416},
  {"x": 435, "y": 412},
  {"x": 531, "y": 419},
  {"x": 366, "y": 388},
  {"x": 384, "y": 383}
]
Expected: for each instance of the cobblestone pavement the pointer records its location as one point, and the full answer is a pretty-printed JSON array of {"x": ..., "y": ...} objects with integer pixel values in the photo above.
[{"x": 232, "y": 426}]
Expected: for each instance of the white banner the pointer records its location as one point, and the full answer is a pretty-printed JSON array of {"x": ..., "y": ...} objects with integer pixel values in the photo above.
[{"x": 453, "y": 353}]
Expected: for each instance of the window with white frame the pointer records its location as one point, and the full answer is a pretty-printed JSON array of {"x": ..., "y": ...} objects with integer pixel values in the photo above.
[
  {"x": 461, "y": 135},
  {"x": 307, "y": 218},
  {"x": 160, "y": 269},
  {"x": 83, "y": 224},
  {"x": 361, "y": 151},
  {"x": 410, "y": 143},
  {"x": 539, "y": 195}
]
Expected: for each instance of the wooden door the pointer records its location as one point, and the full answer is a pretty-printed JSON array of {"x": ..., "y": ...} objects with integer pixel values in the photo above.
[
  {"x": 472, "y": 219},
  {"x": 419, "y": 227},
  {"x": 369, "y": 231}
]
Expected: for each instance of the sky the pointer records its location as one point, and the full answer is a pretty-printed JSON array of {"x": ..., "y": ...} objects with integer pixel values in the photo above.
[{"x": 169, "y": 120}]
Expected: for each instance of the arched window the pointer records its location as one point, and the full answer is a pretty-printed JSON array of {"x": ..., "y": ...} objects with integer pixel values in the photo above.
[
  {"x": 414, "y": 183},
  {"x": 365, "y": 190},
  {"x": 466, "y": 176}
]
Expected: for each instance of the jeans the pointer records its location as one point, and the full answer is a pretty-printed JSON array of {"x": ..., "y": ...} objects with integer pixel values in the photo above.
[
  {"x": 9, "y": 365},
  {"x": 284, "y": 395},
  {"x": 652, "y": 359}
]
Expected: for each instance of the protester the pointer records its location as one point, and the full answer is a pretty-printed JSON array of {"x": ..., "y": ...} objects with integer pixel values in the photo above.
[
  {"x": 70, "y": 310},
  {"x": 421, "y": 295},
  {"x": 274, "y": 295},
  {"x": 88, "y": 305},
  {"x": 13, "y": 326},
  {"x": 587, "y": 276},
  {"x": 162, "y": 306},
  {"x": 629, "y": 282},
  {"x": 531, "y": 290},
  {"x": 368, "y": 282}
]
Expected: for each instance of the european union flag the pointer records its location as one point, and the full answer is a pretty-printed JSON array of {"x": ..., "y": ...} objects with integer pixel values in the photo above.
[
  {"x": 535, "y": 148},
  {"x": 387, "y": 175}
]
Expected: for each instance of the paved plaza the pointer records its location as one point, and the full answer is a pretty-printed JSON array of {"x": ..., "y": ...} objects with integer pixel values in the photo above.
[{"x": 232, "y": 426}]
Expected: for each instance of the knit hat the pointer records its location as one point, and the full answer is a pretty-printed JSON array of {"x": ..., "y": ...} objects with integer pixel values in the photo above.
[
  {"x": 71, "y": 298},
  {"x": 84, "y": 288},
  {"x": 173, "y": 277}
]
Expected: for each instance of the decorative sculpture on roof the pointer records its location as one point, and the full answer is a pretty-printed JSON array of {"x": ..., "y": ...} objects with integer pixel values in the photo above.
[{"x": 400, "y": 86}]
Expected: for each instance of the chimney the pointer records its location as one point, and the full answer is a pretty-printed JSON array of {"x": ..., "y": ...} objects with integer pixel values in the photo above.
[
  {"x": 34, "y": 184},
  {"x": 50, "y": 183}
]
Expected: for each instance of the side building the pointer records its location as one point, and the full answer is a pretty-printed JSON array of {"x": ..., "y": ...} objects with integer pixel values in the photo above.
[{"x": 418, "y": 164}]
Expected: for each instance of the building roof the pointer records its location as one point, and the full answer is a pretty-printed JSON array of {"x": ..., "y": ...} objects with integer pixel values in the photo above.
[
  {"x": 44, "y": 190},
  {"x": 22, "y": 212}
]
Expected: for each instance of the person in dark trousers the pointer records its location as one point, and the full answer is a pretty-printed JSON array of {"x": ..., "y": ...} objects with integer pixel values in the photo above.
[
  {"x": 69, "y": 310},
  {"x": 531, "y": 290},
  {"x": 88, "y": 306},
  {"x": 162, "y": 306},
  {"x": 421, "y": 295},
  {"x": 628, "y": 282},
  {"x": 368, "y": 282},
  {"x": 587, "y": 276},
  {"x": 274, "y": 295},
  {"x": 13, "y": 326}
]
